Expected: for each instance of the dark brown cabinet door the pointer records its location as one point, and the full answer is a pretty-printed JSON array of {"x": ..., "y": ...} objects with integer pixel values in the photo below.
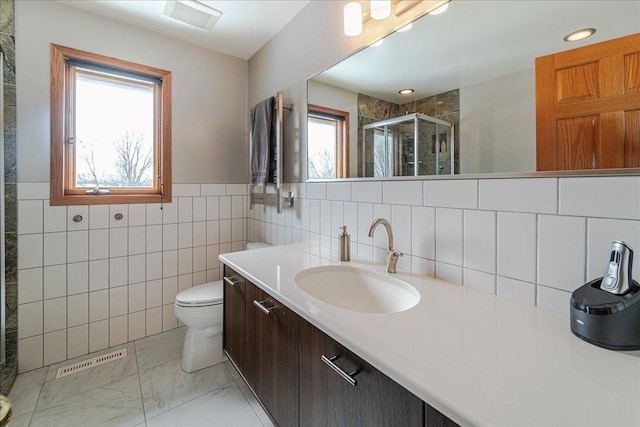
[
  {"x": 235, "y": 335},
  {"x": 434, "y": 418},
  {"x": 328, "y": 399},
  {"x": 273, "y": 333}
]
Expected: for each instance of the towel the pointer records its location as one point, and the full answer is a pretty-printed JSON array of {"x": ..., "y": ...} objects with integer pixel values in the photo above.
[{"x": 262, "y": 140}]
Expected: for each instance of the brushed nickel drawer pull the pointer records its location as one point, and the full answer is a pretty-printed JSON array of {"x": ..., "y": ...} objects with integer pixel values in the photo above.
[
  {"x": 260, "y": 305},
  {"x": 231, "y": 280},
  {"x": 348, "y": 377}
]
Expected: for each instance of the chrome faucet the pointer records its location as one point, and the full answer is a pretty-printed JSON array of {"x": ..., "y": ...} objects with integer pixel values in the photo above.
[{"x": 393, "y": 255}]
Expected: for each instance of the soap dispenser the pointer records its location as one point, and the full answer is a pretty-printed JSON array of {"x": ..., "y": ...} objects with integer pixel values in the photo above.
[{"x": 344, "y": 244}]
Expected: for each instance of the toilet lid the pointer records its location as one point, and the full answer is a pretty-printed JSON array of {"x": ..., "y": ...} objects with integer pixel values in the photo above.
[{"x": 207, "y": 294}]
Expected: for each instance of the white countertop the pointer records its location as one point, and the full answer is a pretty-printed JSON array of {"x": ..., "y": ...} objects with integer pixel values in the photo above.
[{"x": 478, "y": 358}]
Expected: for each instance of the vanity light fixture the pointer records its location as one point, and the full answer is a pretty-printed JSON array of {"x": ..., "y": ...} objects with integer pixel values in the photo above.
[
  {"x": 439, "y": 10},
  {"x": 406, "y": 27},
  {"x": 353, "y": 19},
  {"x": 378, "y": 43},
  {"x": 579, "y": 35},
  {"x": 193, "y": 13},
  {"x": 380, "y": 9},
  {"x": 406, "y": 91}
]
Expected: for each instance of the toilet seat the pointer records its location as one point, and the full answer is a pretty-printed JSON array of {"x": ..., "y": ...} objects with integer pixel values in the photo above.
[{"x": 205, "y": 295}]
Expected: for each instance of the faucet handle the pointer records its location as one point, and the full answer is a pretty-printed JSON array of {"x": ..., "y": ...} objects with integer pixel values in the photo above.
[
  {"x": 395, "y": 254},
  {"x": 392, "y": 260}
]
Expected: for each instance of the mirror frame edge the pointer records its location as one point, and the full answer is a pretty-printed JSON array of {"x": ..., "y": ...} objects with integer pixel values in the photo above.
[{"x": 582, "y": 173}]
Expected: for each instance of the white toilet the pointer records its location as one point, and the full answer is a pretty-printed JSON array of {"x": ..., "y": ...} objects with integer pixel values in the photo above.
[{"x": 200, "y": 309}]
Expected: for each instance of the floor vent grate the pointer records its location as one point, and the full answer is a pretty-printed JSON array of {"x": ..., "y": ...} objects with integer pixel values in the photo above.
[{"x": 91, "y": 363}]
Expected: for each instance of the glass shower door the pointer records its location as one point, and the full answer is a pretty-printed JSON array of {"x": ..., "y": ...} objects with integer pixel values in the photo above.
[{"x": 435, "y": 152}]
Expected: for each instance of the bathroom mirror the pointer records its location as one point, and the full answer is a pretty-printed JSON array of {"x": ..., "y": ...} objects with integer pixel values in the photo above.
[{"x": 472, "y": 67}]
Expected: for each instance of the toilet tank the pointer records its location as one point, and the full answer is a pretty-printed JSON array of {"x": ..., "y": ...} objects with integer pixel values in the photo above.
[{"x": 257, "y": 245}]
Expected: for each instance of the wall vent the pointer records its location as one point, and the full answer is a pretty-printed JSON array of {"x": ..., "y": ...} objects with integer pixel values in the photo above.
[
  {"x": 91, "y": 363},
  {"x": 193, "y": 13}
]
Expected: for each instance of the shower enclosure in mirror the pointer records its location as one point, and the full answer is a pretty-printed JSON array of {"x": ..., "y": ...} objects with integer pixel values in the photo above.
[{"x": 410, "y": 145}]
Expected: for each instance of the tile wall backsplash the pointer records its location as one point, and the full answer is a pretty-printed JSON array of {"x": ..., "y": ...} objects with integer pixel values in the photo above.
[
  {"x": 100, "y": 282},
  {"x": 534, "y": 240}
]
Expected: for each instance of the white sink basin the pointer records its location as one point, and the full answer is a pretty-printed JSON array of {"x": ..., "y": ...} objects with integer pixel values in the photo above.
[{"x": 357, "y": 289}]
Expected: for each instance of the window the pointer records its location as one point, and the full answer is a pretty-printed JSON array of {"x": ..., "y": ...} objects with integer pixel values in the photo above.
[
  {"x": 382, "y": 153},
  {"x": 110, "y": 130},
  {"x": 328, "y": 145}
]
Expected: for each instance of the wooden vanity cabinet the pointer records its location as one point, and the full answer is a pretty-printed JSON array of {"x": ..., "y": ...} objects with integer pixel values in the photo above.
[
  {"x": 329, "y": 399},
  {"x": 279, "y": 354},
  {"x": 261, "y": 339},
  {"x": 434, "y": 418},
  {"x": 234, "y": 309},
  {"x": 272, "y": 331}
]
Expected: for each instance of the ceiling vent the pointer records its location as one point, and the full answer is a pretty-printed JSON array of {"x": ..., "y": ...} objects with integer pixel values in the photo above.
[{"x": 193, "y": 13}]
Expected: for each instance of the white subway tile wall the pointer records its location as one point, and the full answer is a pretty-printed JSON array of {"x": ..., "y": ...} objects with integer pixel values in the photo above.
[
  {"x": 480, "y": 240},
  {"x": 609, "y": 197},
  {"x": 451, "y": 194},
  {"x": 339, "y": 191},
  {"x": 402, "y": 192},
  {"x": 86, "y": 285},
  {"x": 539, "y": 195},
  {"x": 562, "y": 238},
  {"x": 102, "y": 281},
  {"x": 519, "y": 231},
  {"x": 534, "y": 240}
]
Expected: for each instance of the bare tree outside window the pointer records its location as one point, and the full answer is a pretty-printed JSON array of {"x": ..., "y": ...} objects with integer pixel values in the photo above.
[
  {"x": 322, "y": 165},
  {"x": 131, "y": 167},
  {"x": 133, "y": 160},
  {"x": 382, "y": 153},
  {"x": 322, "y": 148},
  {"x": 88, "y": 158}
]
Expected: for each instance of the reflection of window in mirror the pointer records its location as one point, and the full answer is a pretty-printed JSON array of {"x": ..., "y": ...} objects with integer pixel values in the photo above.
[
  {"x": 328, "y": 145},
  {"x": 383, "y": 164}
]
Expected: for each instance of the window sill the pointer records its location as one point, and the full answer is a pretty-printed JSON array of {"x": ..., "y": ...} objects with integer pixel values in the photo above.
[{"x": 108, "y": 199}]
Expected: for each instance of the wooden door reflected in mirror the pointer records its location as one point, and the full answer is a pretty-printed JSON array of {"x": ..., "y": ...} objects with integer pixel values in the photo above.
[{"x": 588, "y": 107}]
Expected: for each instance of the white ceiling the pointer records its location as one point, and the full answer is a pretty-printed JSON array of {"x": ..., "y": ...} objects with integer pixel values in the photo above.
[
  {"x": 244, "y": 27},
  {"x": 475, "y": 41}
]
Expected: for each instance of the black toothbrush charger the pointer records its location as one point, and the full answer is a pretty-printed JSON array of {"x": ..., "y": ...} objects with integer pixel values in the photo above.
[{"x": 606, "y": 311}]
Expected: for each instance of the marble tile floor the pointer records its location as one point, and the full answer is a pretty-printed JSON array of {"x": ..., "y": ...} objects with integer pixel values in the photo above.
[{"x": 146, "y": 388}]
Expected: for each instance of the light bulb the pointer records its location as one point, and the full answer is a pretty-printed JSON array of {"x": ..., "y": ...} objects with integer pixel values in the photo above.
[
  {"x": 579, "y": 35},
  {"x": 380, "y": 9},
  {"x": 353, "y": 19},
  {"x": 439, "y": 10}
]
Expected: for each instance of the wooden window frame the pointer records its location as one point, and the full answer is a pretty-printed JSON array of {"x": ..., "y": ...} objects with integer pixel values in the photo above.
[
  {"x": 342, "y": 149},
  {"x": 62, "y": 161}
]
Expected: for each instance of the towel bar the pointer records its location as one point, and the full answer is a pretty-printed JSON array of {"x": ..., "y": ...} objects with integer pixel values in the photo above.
[
  {"x": 271, "y": 199},
  {"x": 274, "y": 199}
]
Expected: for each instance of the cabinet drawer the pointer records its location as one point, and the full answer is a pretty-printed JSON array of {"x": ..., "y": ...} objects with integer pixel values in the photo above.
[{"x": 359, "y": 395}]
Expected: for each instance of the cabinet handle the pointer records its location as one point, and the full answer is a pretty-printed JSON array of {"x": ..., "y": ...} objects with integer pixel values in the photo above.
[
  {"x": 348, "y": 377},
  {"x": 231, "y": 280},
  {"x": 260, "y": 305}
]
